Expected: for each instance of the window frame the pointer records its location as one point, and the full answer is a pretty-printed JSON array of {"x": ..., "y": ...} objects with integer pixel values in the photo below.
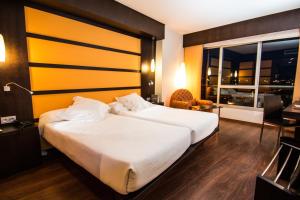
[{"x": 255, "y": 87}]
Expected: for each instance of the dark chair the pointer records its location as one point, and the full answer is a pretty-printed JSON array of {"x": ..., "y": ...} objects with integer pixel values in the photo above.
[{"x": 273, "y": 115}]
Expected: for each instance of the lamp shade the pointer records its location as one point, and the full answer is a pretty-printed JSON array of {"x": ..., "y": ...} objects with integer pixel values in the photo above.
[{"x": 2, "y": 49}]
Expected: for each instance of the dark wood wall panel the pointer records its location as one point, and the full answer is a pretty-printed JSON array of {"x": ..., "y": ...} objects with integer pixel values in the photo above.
[
  {"x": 110, "y": 12},
  {"x": 147, "y": 54},
  {"x": 12, "y": 27},
  {"x": 271, "y": 23}
]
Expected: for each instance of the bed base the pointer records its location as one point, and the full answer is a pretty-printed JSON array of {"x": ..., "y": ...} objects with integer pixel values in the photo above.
[
  {"x": 98, "y": 187},
  {"x": 141, "y": 193}
]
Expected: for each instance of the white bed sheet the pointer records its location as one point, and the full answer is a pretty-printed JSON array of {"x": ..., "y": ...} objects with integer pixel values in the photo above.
[
  {"x": 122, "y": 152},
  {"x": 201, "y": 124}
]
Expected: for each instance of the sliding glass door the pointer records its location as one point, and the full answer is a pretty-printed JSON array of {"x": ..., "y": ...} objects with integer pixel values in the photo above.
[{"x": 242, "y": 75}]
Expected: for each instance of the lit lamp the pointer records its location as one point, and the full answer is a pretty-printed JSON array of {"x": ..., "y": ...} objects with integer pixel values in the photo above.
[{"x": 2, "y": 49}]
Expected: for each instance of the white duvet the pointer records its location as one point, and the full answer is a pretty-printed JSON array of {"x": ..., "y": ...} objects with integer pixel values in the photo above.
[
  {"x": 124, "y": 153},
  {"x": 201, "y": 124}
]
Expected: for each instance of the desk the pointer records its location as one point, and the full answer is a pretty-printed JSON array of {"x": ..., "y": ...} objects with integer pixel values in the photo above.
[{"x": 293, "y": 113}]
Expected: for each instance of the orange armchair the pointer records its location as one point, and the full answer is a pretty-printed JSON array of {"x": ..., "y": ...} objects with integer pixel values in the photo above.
[{"x": 184, "y": 99}]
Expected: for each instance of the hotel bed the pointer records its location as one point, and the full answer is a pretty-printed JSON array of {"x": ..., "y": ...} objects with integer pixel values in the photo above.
[
  {"x": 201, "y": 124},
  {"x": 124, "y": 153}
]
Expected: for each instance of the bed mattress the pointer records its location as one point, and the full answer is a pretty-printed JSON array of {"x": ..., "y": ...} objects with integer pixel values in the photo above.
[
  {"x": 201, "y": 124},
  {"x": 124, "y": 153}
]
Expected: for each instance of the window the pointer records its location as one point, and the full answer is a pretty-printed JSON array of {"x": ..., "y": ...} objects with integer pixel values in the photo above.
[
  {"x": 249, "y": 72},
  {"x": 210, "y": 74},
  {"x": 238, "y": 67},
  {"x": 278, "y": 69}
]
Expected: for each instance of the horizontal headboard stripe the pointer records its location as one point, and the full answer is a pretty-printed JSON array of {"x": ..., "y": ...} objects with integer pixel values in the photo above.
[
  {"x": 62, "y": 25},
  {"x": 60, "y": 79},
  {"x": 44, "y": 92},
  {"x": 55, "y": 39},
  {"x": 47, "y": 102},
  {"x": 60, "y": 66},
  {"x": 45, "y": 51}
]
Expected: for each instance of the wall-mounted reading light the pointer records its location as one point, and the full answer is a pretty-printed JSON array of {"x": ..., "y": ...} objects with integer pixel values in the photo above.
[
  {"x": 7, "y": 87},
  {"x": 2, "y": 49}
]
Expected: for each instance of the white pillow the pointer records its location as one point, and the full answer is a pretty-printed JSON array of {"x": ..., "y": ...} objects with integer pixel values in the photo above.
[
  {"x": 116, "y": 107},
  {"x": 85, "y": 109},
  {"x": 133, "y": 102},
  {"x": 50, "y": 117}
]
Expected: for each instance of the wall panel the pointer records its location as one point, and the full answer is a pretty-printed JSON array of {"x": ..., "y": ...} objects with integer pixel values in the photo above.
[
  {"x": 70, "y": 58},
  {"x": 44, "y": 51},
  {"x": 60, "y": 79},
  {"x": 43, "y": 23},
  {"x": 193, "y": 61}
]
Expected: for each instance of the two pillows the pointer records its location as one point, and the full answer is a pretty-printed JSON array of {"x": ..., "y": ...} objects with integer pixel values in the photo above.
[{"x": 90, "y": 109}]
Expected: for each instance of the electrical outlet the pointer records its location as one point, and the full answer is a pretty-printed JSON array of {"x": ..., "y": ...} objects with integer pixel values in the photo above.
[{"x": 8, "y": 119}]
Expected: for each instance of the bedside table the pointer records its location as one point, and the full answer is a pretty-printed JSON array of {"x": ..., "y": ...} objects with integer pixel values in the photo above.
[{"x": 19, "y": 149}]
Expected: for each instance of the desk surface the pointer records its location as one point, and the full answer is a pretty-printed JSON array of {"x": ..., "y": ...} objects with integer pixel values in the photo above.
[{"x": 291, "y": 111}]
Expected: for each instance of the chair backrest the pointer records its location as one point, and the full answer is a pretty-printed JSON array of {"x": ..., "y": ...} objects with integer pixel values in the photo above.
[
  {"x": 272, "y": 106},
  {"x": 182, "y": 95}
]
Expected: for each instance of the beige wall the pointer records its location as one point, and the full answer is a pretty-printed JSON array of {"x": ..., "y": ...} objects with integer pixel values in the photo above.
[
  {"x": 297, "y": 80},
  {"x": 171, "y": 54},
  {"x": 193, "y": 61}
]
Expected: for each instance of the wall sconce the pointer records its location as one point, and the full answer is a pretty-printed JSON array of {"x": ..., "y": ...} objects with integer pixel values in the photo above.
[
  {"x": 145, "y": 68},
  {"x": 180, "y": 77},
  {"x": 7, "y": 87},
  {"x": 235, "y": 73},
  {"x": 2, "y": 49}
]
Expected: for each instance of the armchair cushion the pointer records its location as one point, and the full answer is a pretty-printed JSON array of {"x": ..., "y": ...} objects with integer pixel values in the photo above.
[
  {"x": 204, "y": 102},
  {"x": 181, "y": 104}
]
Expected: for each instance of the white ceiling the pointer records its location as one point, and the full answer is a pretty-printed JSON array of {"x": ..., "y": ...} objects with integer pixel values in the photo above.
[{"x": 187, "y": 16}]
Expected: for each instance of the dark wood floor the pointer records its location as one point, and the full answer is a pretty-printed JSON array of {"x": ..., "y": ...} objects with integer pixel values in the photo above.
[{"x": 225, "y": 167}]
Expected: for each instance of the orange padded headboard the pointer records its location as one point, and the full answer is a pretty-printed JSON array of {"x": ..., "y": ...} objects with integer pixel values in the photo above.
[{"x": 69, "y": 58}]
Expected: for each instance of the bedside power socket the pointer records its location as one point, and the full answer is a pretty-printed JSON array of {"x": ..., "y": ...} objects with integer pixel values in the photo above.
[{"x": 8, "y": 119}]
